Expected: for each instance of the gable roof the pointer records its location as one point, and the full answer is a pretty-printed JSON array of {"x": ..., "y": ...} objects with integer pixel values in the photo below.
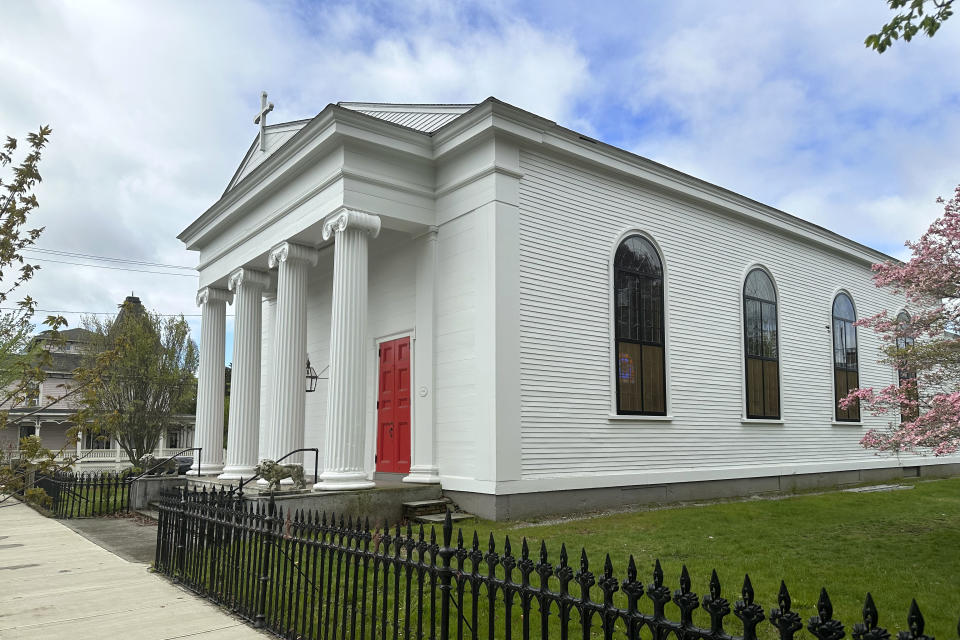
[
  {"x": 441, "y": 124},
  {"x": 425, "y": 118}
]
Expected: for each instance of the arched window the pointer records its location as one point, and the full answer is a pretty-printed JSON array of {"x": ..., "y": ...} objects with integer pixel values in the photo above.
[
  {"x": 906, "y": 374},
  {"x": 638, "y": 305},
  {"x": 760, "y": 346},
  {"x": 846, "y": 376}
]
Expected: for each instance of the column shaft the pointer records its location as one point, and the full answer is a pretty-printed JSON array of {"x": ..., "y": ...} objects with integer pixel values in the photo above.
[
  {"x": 344, "y": 442},
  {"x": 244, "y": 425},
  {"x": 290, "y": 348},
  {"x": 267, "y": 445},
  {"x": 210, "y": 383}
]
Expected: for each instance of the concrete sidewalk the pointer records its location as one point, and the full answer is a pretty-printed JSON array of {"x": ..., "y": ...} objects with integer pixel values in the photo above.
[{"x": 54, "y": 583}]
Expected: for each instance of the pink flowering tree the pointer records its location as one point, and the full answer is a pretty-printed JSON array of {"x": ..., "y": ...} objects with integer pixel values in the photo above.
[{"x": 922, "y": 343}]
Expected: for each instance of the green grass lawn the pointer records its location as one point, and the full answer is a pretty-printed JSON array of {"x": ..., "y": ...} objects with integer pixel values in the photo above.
[{"x": 897, "y": 545}]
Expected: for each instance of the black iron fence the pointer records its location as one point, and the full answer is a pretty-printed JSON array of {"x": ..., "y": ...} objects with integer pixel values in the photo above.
[
  {"x": 304, "y": 575},
  {"x": 84, "y": 495}
]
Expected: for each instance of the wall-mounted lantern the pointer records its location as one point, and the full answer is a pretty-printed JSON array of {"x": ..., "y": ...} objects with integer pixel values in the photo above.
[{"x": 312, "y": 377}]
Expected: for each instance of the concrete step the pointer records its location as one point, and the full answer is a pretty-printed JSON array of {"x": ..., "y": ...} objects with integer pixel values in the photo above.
[
  {"x": 438, "y": 518},
  {"x": 418, "y": 508}
]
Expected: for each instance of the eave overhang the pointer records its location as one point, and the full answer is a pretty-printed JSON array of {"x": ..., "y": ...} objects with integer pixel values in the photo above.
[{"x": 335, "y": 125}]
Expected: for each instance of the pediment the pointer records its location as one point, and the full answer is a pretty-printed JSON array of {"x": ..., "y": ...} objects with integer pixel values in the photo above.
[{"x": 277, "y": 136}]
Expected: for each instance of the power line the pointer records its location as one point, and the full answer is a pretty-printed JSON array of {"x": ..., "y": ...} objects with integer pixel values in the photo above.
[
  {"x": 90, "y": 256},
  {"x": 104, "y": 266},
  {"x": 108, "y": 313}
]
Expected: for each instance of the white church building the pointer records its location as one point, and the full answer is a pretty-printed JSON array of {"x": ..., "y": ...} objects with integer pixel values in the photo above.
[{"x": 533, "y": 319}]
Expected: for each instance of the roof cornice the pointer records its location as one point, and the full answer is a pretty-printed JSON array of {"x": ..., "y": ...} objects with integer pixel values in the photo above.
[
  {"x": 532, "y": 130},
  {"x": 493, "y": 116}
]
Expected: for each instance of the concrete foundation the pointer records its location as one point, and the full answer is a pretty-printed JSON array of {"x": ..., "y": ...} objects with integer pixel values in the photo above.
[
  {"x": 545, "y": 503},
  {"x": 379, "y": 504},
  {"x": 384, "y": 502},
  {"x": 147, "y": 489}
]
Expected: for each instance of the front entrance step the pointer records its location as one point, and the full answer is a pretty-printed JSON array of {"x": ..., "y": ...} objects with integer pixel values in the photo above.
[
  {"x": 438, "y": 518},
  {"x": 419, "y": 508}
]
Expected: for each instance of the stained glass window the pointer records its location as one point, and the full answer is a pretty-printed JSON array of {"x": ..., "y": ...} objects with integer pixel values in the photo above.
[
  {"x": 638, "y": 305},
  {"x": 761, "y": 346},
  {"x": 846, "y": 374}
]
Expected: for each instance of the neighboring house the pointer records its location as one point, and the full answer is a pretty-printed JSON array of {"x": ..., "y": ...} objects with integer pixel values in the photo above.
[
  {"x": 534, "y": 319},
  {"x": 50, "y": 423}
]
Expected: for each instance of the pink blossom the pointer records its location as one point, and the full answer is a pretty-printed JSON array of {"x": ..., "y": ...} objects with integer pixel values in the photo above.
[{"x": 924, "y": 348}]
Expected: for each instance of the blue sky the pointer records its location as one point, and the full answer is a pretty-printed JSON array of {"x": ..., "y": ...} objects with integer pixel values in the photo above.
[{"x": 152, "y": 105}]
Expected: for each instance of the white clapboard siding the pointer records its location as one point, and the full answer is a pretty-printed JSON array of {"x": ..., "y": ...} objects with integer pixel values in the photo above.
[{"x": 570, "y": 221}]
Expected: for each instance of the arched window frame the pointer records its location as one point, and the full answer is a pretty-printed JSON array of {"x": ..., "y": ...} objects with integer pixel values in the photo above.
[
  {"x": 772, "y": 413},
  {"x": 852, "y": 415},
  {"x": 616, "y": 411},
  {"x": 906, "y": 413}
]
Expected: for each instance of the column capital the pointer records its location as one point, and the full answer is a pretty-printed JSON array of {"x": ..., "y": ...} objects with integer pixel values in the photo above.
[
  {"x": 351, "y": 219},
  {"x": 289, "y": 251},
  {"x": 248, "y": 278},
  {"x": 213, "y": 294}
]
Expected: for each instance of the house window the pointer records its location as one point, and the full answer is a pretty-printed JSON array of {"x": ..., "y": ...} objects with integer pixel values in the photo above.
[
  {"x": 905, "y": 374},
  {"x": 762, "y": 354},
  {"x": 173, "y": 439},
  {"x": 638, "y": 308},
  {"x": 27, "y": 430},
  {"x": 32, "y": 394},
  {"x": 846, "y": 376},
  {"x": 95, "y": 441}
]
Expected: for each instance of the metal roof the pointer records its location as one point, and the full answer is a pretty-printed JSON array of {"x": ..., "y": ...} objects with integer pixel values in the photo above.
[{"x": 425, "y": 118}]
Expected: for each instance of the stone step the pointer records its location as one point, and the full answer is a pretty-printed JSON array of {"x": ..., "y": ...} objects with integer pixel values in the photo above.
[
  {"x": 438, "y": 518},
  {"x": 425, "y": 507}
]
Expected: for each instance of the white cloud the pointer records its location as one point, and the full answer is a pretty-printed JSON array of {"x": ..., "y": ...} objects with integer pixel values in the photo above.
[
  {"x": 152, "y": 107},
  {"x": 152, "y": 104}
]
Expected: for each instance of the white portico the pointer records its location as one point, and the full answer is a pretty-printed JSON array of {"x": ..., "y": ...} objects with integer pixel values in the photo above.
[{"x": 290, "y": 246}]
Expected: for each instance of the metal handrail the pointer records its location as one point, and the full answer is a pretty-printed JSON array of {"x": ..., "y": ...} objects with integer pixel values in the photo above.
[
  {"x": 316, "y": 468},
  {"x": 199, "y": 451}
]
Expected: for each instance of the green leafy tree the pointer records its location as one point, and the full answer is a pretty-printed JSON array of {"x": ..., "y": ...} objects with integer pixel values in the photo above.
[
  {"x": 23, "y": 360},
  {"x": 913, "y": 17},
  {"x": 138, "y": 379}
]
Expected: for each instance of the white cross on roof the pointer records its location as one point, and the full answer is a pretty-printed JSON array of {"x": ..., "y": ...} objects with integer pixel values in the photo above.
[{"x": 261, "y": 119}]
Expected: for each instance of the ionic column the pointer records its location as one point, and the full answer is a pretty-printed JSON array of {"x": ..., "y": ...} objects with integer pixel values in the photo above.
[
  {"x": 244, "y": 425},
  {"x": 343, "y": 442},
  {"x": 290, "y": 347},
  {"x": 210, "y": 391},
  {"x": 267, "y": 441}
]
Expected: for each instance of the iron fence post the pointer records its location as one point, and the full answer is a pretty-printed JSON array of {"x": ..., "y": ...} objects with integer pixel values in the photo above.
[
  {"x": 265, "y": 566},
  {"x": 445, "y": 573},
  {"x": 180, "y": 532}
]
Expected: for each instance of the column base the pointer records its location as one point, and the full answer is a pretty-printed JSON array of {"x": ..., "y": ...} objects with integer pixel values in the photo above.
[
  {"x": 237, "y": 472},
  {"x": 206, "y": 469},
  {"x": 423, "y": 475},
  {"x": 343, "y": 481}
]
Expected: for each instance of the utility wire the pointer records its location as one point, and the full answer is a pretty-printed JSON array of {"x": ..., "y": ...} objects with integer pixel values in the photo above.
[
  {"x": 108, "y": 313},
  {"x": 104, "y": 266},
  {"x": 74, "y": 254}
]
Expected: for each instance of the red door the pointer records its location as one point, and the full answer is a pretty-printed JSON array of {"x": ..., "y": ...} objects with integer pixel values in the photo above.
[{"x": 393, "y": 407}]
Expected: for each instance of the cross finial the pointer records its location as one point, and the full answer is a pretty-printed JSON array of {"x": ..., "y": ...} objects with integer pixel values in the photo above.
[{"x": 261, "y": 119}]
